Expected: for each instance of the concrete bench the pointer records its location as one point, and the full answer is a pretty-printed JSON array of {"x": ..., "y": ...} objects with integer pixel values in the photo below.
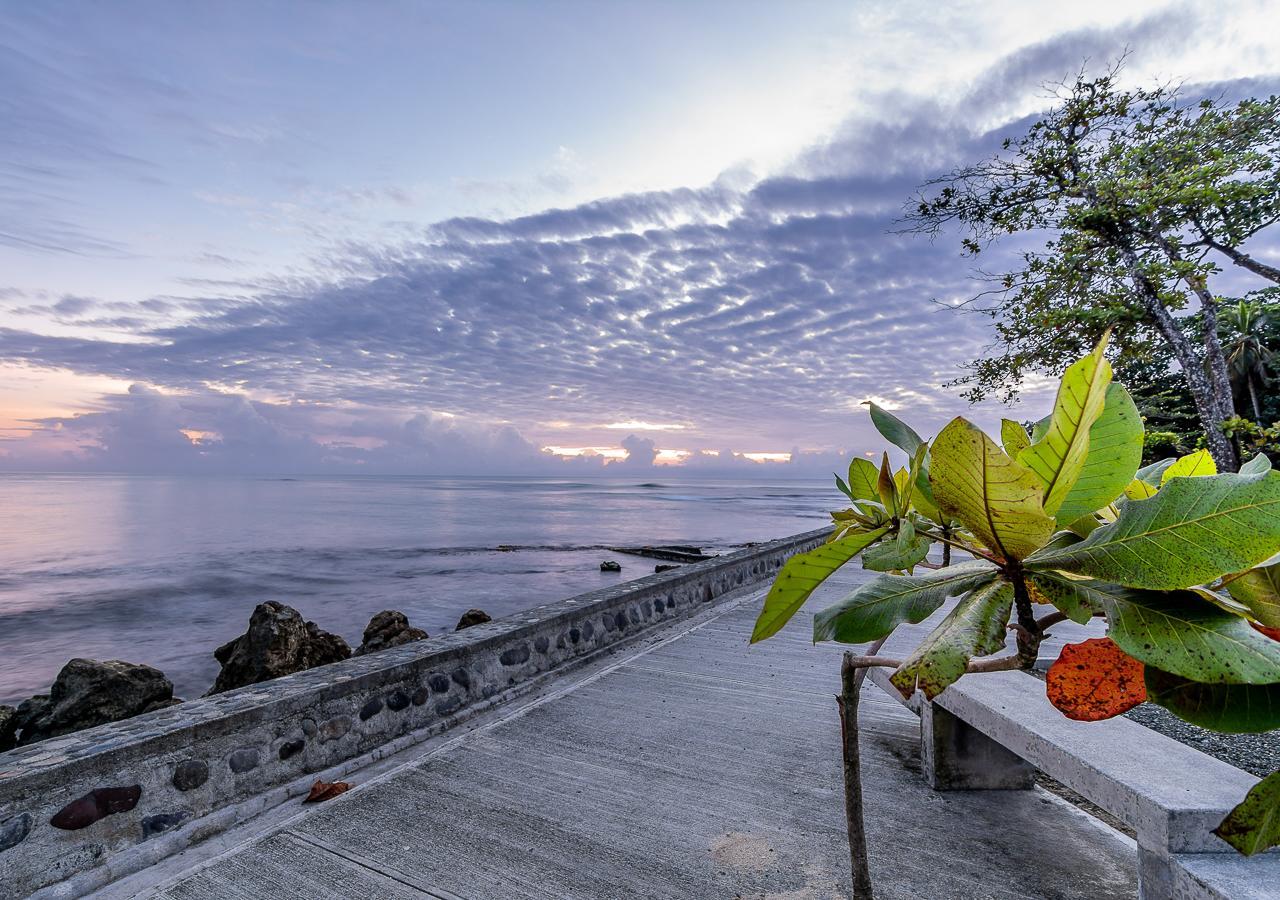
[{"x": 992, "y": 731}]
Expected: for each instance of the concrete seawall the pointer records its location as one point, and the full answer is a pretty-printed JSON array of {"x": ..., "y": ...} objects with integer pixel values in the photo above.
[{"x": 126, "y": 794}]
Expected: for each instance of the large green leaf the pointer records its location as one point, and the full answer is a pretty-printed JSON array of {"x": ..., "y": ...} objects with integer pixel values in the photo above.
[
  {"x": 1232, "y": 708},
  {"x": 907, "y": 550},
  {"x": 1259, "y": 590},
  {"x": 1115, "y": 451},
  {"x": 998, "y": 500},
  {"x": 1073, "y": 597},
  {"x": 976, "y": 627},
  {"x": 882, "y": 604},
  {"x": 802, "y": 574},
  {"x": 1193, "y": 465},
  {"x": 862, "y": 479},
  {"x": 1254, "y": 825},
  {"x": 1014, "y": 437},
  {"x": 1191, "y": 532},
  {"x": 1059, "y": 455},
  {"x": 1182, "y": 633},
  {"x": 895, "y": 431}
]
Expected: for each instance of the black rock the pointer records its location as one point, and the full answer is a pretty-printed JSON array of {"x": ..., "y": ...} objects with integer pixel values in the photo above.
[
  {"x": 14, "y": 830},
  {"x": 95, "y": 805},
  {"x": 371, "y": 709},
  {"x": 88, "y": 693},
  {"x": 515, "y": 656},
  {"x": 667, "y": 567},
  {"x": 397, "y": 700},
  {"x": 243, "y": 760},
  {"x": 190, "y": 774},
  {"x": 291, "y": 748},
  {"x": 278, "y": 642},
  {"x": 439, "y": 683},
  {"x": 8, "y": 728},
  {"x": 388, "y": 628},
  {"x": 610, "y": 566},
  {"x": 162, "y": 822},
  {"x": 473, "y": 617}
]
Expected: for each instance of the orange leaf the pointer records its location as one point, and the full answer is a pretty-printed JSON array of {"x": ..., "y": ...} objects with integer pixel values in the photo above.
[
  {"x": 1095, "y": 680},
  {"x": 326, "y": 790},
  {"x": 1273, "y": 633}
]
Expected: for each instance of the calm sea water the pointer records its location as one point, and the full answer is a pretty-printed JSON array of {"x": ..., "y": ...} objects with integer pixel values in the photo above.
[{"x": 161, "y": 570}]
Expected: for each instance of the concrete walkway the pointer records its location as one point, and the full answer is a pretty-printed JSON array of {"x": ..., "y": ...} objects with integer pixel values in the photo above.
[{"x": 686, "y": 766}]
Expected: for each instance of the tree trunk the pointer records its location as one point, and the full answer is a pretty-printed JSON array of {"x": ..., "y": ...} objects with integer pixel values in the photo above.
[
  {"x": 1250, "y": 380},
  {"x": 851, "y": 688},
  {"x": 1209, "y": 403},
  {"x": 1245, "y": 261}
]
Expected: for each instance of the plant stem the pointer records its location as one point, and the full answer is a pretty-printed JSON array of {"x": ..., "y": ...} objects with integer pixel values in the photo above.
[
  {"x": 946, "y": 548},
  {"x": 851, "y": 686},
  {"x": 1029, "y": 631},
  {"x": 987, "y": 664}
]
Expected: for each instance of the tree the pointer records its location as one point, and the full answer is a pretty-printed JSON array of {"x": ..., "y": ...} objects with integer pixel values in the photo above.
[
  {"x": 1249, "y": 356},
  {"x": 1138, "y": 192},
  {"x": 1181, "y": 562}
]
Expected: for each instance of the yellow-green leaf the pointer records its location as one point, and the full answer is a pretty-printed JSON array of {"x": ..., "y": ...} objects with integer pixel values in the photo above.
[
  {"x": 1193, "y": 465},
  {"x": 1059, "y": 455},
  {"x": 802, "y": 574},
  {"x": 1014, "y": 437},
  {"x": 862, "y": 479},
  {"x": 1259, "y": 590},
  {"x": 996, "y": 499},
  {"x": 1139, "y": 490},
  {"x": 1255, "y": 824},
  {"x": 1115, "y": 452}
]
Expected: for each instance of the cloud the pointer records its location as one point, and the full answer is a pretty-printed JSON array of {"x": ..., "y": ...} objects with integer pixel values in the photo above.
[{"x": 753, "y": 315}]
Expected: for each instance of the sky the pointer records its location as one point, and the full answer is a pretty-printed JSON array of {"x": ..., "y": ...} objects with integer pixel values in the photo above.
[{"x": 515, "y": 238}]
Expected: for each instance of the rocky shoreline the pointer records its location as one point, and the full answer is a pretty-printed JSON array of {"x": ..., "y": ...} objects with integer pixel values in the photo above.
[{"x": 278, "y": 641}]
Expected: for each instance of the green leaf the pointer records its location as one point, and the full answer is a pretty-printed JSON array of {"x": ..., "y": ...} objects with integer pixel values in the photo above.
[
  {"x": 1070, "y": 596},
  {"x": 1014, "y": 437},
  {"x": 907, "y": 551},
  {"x": 1040, "y": 428},
  {"x": 882, "y": 604},
  {"x": 1115, "y": 450},
  {"x": 994, "y": 497},
  {"x": 1254, "y": 825},
  {"x": 1193, "y": 465},
  {"x": 801, "y": 575},
  {"x": 1258, "y": 464},
  {"x": 1182, "y": 633},
  {"x": 1059, "y": 455},
  {"x": 976, "y": 627},
  {"x": 1151, "y": 474},
  {"x": 1259, "y": 590},
  {"x": 1191, "y": 532},
  {"x": 843, "y": 488},
  {"x": 886, "y": 487},
  {"x": 895, "y": 431},
  {"x": 1140, "y": 490},
  {"x": 1230, "y": 708},
  {"x": 862, "y": 479}
]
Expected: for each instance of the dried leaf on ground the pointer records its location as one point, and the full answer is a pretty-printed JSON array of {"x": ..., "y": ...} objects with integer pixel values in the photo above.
[{"x": 326, "y": 790}]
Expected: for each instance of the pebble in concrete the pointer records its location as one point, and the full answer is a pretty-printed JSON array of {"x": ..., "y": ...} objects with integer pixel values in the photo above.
[
  {"x": 334, "y": 728},
  {"x": 588, "y": 630},
  {"x": 575, "y": 634},
  {"x": 420, "y": 696},
  {"x": 14, "y": 830},
  {"x": 190, "y": 774},
  {"x": 515, "y": 656},
  {"x": 542, "y": 644},
  {"x": 439, "y": 683},
  {"x": 309, "y": 727},
  {"x": 153, "y": 825},
  {"x": 370, "y": 709},
  {"x": 462, "y": 678},
  {"x": 291, "y": 748},
  {"x": 397, "y": 700},
  {"x": 451, "y": 704},
  {"x": 95, "y": 805},
  {"x": 243, "y": 760}
]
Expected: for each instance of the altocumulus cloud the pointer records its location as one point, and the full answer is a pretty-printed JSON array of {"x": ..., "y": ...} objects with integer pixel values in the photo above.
[{"x": 759, "y": 315}]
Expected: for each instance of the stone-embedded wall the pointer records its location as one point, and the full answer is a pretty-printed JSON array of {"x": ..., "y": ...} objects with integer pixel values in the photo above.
[{"x": 101, "y": 802}]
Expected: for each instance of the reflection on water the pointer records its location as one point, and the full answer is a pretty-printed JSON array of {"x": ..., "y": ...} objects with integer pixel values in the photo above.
[{"x": 161, "y": 570}]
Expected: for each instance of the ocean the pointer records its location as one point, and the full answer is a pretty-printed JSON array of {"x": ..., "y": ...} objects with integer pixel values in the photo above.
[{"x": 161, "y": 570}]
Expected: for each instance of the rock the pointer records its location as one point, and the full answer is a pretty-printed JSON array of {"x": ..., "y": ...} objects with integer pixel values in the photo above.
[
  {"x": 14, "y": 830},
  {"x": 158, "y": 824},
  {"x": 8, "y": 728},
  {"x": 243, "y": 760},
  {"x": 610, "y": 566},
  {"x": 87, "y": 693},
  {"x": 473, "y": 617},
  {"x": 388, "y": 628},
  {"x": 190, "y": 774},
  {"x": 292, "y": 748},
  {"x": 278, "y": 642},
  {"x": 664, "y": 567},
  {"x": 95, "y": 805}
]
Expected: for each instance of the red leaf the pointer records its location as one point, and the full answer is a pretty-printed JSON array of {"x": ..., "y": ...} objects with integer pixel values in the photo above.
[
  {"x": 326, "y": 790},
  {"x": 1095, "y": 680},
  {"x": 1273, "y": 633}
]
